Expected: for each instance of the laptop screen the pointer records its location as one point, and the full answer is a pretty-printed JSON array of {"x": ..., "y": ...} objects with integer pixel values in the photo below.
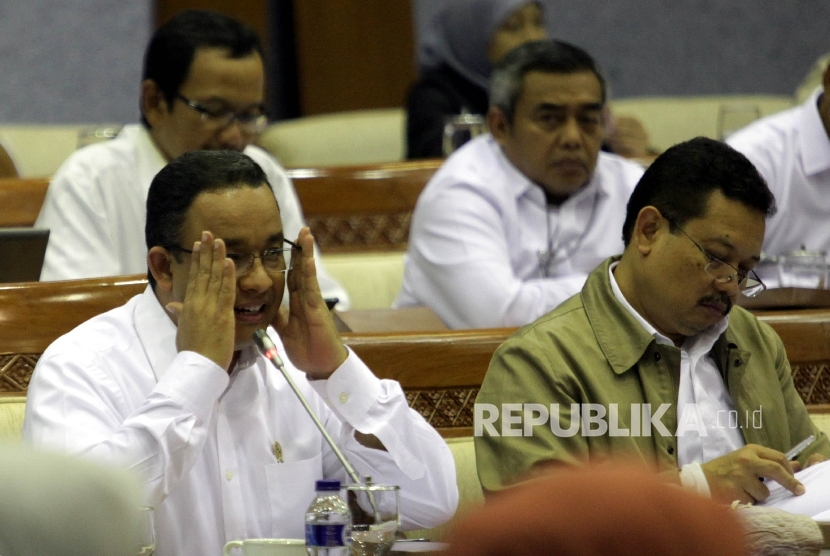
[{"x": 21, "y": 253}]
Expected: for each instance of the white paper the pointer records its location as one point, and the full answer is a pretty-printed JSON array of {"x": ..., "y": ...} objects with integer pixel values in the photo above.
[{"x": 815, "y": 501}]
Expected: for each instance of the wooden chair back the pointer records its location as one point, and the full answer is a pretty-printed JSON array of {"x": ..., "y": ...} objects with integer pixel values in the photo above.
[
  {"x": 362, "y": 208},
  {"x": 20, "y": 201},
  {"x": 440, "y": 372},
  {"x": 7, "y": 166},
  {"x": 33, "y": 315}
]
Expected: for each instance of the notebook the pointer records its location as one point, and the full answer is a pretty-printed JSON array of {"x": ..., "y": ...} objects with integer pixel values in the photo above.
[{"x": 21, "y": 253}]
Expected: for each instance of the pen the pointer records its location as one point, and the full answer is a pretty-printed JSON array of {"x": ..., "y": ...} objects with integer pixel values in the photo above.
[{"x": 800, "y": 447}]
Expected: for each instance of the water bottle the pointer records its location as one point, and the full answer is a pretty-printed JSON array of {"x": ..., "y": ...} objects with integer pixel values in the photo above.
[{"x": 326, "y": 521}]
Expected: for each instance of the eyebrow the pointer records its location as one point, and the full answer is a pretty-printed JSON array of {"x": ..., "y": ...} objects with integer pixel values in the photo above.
[
  {"x": 241, "y": 244},
  {"x": 586, "y": 106}
]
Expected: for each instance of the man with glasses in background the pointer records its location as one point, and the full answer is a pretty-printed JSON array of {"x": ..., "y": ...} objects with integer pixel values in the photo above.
[
  {"x": 171, "y": 386},
  {"x": 683, "y": 380},
  {"x": 202, "y": 89}
]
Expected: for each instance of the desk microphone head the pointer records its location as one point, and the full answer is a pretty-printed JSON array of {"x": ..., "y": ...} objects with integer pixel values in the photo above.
[{"x": 267, "y": 347}]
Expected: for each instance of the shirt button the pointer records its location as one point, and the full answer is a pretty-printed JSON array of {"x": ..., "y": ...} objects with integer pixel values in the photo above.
[
  {"x": 656, "y": 356},
  {"x": 738, "y": 362},
  {"x": 229, "y": 475},
  {"x": 344, "y": 397},
  {"x": 671, "y": 450}
]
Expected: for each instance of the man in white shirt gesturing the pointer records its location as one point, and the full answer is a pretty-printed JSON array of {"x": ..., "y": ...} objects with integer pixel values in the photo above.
[
  {"x": 171, "y": 386},
  {"x": 511, "y": 225}
]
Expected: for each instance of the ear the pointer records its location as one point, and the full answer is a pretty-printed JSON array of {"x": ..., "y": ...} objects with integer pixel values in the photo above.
[
  {"x": 647, "y": 229},
  {"x": 158, "y": 261},
  {"x": 498, "y": 124},
  {"x": 153, "y": 103}
]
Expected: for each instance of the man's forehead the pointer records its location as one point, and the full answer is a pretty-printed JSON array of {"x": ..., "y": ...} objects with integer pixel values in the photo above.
[{"x": 234, "y": 212}]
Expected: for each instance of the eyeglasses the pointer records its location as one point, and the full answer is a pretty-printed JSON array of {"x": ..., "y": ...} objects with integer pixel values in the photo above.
[
  {"x": 273, "y": 259},
  {"x": 251, "y": 121},
  {"x": 722, "y": 272}
]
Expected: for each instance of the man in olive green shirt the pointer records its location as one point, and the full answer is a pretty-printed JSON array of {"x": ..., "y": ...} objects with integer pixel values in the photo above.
[{"x": 650, "y": 361}]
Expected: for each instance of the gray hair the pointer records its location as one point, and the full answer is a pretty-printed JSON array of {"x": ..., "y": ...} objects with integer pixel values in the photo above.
[{"x": 547, "y": 56}]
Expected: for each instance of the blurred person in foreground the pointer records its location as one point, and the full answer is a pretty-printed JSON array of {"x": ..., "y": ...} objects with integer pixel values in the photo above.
[
  {"x": 171, "y": 386},
  {"x": 512, "y": 223},
  {"x": 54, "y": 505},
  {"x": 596, "y": 512},
  {"x": 203, "y": 88},
  {"x": 652, "y": 360},
  {"x": 457, "y": 50}
]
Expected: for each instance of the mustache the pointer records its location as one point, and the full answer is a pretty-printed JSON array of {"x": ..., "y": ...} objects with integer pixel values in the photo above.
[{"x": 719, "y": 299}]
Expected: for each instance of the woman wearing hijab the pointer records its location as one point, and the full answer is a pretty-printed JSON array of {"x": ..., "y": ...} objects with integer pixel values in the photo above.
[
  {"x": 462, "y": 41},
  {"x": 460, "y": 45}
]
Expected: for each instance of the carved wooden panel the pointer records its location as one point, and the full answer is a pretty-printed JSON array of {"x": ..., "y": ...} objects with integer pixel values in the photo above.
[
  {"x": 361, "y": 232},
  {"x": 441, "y": 407},
  {"x": 16, "y": 371},
  {"x": 812, "y": 383}
]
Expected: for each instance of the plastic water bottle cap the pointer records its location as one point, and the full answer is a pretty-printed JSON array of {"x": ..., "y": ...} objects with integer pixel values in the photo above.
[{"x": 328, "y": 485}]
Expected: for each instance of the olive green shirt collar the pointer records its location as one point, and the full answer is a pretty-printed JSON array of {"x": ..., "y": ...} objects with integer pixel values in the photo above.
[{"x": 622, "y": 339}]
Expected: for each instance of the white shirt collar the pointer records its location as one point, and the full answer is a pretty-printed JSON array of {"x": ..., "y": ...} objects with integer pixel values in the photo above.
[
  {"x": 156, "y": 331},
  {"x": 814, "y": 143},
  {"x": 701, "y": 342}
]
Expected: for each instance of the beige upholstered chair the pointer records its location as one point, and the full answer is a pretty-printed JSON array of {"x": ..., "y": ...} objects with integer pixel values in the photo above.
[
  {"x": 356, "y": 137},
  {"x": 672, "y": 119},
  {"x": 12, "y": 409}
]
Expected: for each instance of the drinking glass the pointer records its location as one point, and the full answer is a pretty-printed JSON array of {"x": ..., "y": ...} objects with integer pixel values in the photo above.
[
  {"x": 146, "y": 542},
  {"x": 375, "y": 518},
  {"x": 460, "y": 129},
  {"x": 732, "y": 117},
  {"x": 803, "y": 269}
]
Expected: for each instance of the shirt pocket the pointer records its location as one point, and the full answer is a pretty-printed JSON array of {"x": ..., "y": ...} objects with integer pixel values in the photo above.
[{"x": 290, "y": 491}]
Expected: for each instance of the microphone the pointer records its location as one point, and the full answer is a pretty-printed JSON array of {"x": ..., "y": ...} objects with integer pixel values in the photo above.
[{"x": 269, "y": 350}]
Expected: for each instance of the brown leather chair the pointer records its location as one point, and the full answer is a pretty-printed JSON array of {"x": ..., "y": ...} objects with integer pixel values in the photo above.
[
  {"x": 33, "y": 315},
  {"x": 7, "y": 167},
  {"x": 20, "y": 201},
  {"x": 362, "y": 208}
]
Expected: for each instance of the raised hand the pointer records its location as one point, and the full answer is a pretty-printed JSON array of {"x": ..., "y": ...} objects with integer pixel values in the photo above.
[
  {"x": 307, "y": 329},
  {"x": 206, "y": 321},
  {"x": 735, "y": 476}
]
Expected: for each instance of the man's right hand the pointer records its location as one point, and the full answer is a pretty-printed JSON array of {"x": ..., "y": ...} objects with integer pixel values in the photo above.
[
  {"x": 736, "y": 476},
  {"x": 206, "y": 321}
]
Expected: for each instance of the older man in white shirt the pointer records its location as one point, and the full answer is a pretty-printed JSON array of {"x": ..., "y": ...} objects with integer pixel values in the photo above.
[
  {"x": 513, "y": 223},
  {"x": 792, "y": 152}
]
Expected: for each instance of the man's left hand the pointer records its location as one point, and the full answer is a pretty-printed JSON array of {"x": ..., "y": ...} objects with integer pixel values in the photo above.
[{"x": 307, "y": 329}]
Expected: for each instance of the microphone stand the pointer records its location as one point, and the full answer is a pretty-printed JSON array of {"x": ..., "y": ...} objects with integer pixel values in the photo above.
[{"x": 269, "y": 350}]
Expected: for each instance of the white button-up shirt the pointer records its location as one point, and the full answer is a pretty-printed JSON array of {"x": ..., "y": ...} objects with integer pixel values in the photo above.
[
  {"x": 226, "y": 457},
  {"x": 96, "y": 209},
  {"x": 486, "y": 249},
  {"x": 791, "y": 150}
]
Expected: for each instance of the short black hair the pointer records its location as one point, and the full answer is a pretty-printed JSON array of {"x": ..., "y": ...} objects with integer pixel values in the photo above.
[
  {"x": 173, "y": 46},
  {"x": 678, "y": 183},
  {"x": 549, "y": 56},
  {"x": 177, "y": 185}
]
